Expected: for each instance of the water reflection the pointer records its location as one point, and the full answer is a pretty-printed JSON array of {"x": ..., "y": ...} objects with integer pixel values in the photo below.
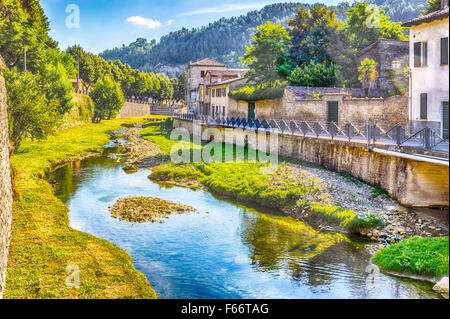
[{"x": 224, "y": 251}]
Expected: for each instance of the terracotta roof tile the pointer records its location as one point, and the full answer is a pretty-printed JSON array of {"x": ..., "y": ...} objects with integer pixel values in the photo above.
[{"x": 206, "y": 62}]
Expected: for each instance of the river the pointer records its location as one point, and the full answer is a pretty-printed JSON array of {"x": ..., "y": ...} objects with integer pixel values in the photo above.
[{"x": 225, "y": 250}]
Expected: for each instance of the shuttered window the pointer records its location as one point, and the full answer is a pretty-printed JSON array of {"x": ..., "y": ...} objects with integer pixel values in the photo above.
[
  {"x": 423, "y": 106},
  {"x": 424, "y": 53},
  {"x": 417, "y": 54},
  {"x": 444, "y": 51},
  {"x": 213, "y": 93}
]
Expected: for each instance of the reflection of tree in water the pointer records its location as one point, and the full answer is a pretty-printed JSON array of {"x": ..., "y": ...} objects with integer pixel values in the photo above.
[
  {"x": 67, "y": 178},
  {"x": 282, "y": 243}
]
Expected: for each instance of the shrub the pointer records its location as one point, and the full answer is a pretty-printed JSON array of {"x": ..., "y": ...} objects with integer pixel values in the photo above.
[
  {"x": 313, "y": 74},
  {"x": 420, "y": 256}
]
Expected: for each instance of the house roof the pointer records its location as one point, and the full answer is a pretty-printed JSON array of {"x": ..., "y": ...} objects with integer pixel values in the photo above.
[
  {"x": 224, "y": 82},
  {"x": 436, "y": 15},
  {"x": 355, "y": 92},
  {"x": 226, "y": 72},
  {"x": 206, "y": 62},
  {"x": 391, "y": 41}
]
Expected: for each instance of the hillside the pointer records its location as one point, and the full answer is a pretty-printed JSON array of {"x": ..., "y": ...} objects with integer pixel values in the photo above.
[{"x": 225, "y": 39}]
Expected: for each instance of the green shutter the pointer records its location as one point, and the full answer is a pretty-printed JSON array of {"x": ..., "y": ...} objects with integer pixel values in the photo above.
[
  {"x": 333, "y": 111},
  {"x": 444, "y": 51},
  {"x": 417, "y": 54},
  {"x": 423, "y": 106},
  {"x": 251, "y": 111}
]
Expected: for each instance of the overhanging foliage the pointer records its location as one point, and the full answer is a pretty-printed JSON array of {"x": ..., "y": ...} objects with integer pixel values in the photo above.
[{"x": 259, "y": 92}]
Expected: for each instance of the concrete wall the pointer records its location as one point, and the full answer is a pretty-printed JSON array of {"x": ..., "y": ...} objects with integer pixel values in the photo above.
[
  {"x": 5, "y": 186},
  {"x": 411, "y": 182},
  {"x": 131, "y": 109},
  {"x": 432, "y": 79}
]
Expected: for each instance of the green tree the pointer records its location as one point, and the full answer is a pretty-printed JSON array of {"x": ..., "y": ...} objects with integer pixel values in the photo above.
[
  {"x": 313, "y": 74},
  {"x": 31, "y": 114},
  {"x": 269, "y": 48},
  {"x": 432, "y": 6},
  {"x": 367, "y": 23},
  {"x": 367, "y": 73},
  {"x": 108, "y": 99}
]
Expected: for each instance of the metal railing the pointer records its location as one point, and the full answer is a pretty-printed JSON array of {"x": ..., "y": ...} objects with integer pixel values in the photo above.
[{"x": 374, "y": 134}]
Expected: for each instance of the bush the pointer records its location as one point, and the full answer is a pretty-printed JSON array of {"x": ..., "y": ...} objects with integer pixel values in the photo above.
[
  {"x": 313, "y": 74},
  {"x": 268, "y": 91},
  {"x": 416, "y": 256}
]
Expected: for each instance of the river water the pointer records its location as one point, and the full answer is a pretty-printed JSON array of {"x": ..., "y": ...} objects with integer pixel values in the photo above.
[{"x": 225, "y": 250}]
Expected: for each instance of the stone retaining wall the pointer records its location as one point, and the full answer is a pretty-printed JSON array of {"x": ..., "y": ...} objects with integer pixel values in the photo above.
[
  {"x": 131, "y": 109},
  {"x": 5, "y": 187},
  {"x": 411, "y": 182}
]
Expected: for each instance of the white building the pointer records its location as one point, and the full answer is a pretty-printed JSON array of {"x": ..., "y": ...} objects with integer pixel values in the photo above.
[{"x": 429, "y": 83}]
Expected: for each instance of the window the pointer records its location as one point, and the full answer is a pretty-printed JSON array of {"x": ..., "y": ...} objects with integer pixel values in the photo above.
[
  {"x": 223, "y": 110},
  {"x": 207, "y": 90},
  {"x": 417, "y": 54},
  {"x": 444, "y": 51},
  {"x": 423, "y": 106},
  {"x": 219, "y": 91},
  {"x": 224, "y": 92},
  {"x": 213, "y": 93},
  {"x": 202, "y": 74},
  {"x": 420, "y": 54},
  {"x": 424, "y": 53}
]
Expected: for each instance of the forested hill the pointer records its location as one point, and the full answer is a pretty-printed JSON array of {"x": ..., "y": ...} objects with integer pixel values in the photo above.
[{"x": 225, "y": 39}]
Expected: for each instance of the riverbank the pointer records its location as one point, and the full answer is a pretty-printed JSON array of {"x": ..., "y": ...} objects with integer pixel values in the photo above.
[{"x": 42, "y": 243}]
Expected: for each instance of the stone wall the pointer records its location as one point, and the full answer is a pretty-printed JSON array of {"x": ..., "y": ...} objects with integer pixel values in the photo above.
[
  {"x": 411, "y": 182},
  {"x": 389, "y": 111},
  {"x": 131, "y": 109},
  {"x": 392, "y": 56},
  {"x": 5, "y": 186}
]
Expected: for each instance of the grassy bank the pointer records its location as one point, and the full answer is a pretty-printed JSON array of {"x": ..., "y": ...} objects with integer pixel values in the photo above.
[
  {"x": 416, "y": 256},
  {"x": 43, "y": 244},
  {"x": 280, "y": 188}
]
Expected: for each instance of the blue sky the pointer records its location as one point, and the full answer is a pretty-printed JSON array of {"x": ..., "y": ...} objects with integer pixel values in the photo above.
[{"x": 105, "y": 24}]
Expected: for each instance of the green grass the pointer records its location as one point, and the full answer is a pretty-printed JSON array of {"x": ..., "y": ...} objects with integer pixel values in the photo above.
[
  {"x": 43, "y": 244},
  {"x": 416, "y": 256}
]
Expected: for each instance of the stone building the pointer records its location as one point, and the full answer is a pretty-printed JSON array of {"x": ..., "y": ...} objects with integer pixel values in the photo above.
[
  {"x": 392, "y": 57},
  {"x": 339, "y": 105},
  {"x": 429, "y": 89},
  {"x": 203, "y": 73},
  {"x": 5, "y": 185}
]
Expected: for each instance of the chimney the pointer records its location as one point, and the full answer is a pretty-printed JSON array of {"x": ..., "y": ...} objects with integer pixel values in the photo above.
[{"x": 444, "y": 4}]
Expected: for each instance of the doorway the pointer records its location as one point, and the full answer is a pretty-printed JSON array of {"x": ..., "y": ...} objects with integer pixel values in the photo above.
[{"x": 251, "y": 111}]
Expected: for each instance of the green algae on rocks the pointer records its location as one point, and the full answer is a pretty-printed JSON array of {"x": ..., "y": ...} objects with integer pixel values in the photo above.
[{"x": 146, "y": 209}]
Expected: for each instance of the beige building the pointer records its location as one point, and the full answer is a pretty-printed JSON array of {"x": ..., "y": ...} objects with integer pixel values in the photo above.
[
  {"x": 429, "y": 82},
  {"x": 202, "y": 74}
]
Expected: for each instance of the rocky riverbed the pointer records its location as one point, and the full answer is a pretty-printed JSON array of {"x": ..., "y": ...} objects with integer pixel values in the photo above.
[{"x": 146, "y": 209}]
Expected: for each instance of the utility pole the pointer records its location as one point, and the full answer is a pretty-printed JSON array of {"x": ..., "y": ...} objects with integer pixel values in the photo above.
[
  {"x": 78, "y": 72},
  {"x": 24, "y": 58}
]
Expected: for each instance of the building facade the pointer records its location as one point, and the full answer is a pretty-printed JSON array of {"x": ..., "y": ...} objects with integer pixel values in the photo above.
[
  {"x": 392, "y": 57},
  {"x": 429, "y": 82},
  {"x": 201, "y": 75}
]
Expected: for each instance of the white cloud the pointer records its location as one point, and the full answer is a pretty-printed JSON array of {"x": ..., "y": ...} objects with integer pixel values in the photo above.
[
  {"x": 149, "y": 23},
  {"x": 225, "y": 8},
  {"x": 169, "y": 22}
]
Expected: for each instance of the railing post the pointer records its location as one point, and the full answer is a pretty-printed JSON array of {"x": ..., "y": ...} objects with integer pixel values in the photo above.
[
  {"x": 369, "y": 137},
  {"x": 427, "y": 137},
  {"x": 397, "y": 135}
]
